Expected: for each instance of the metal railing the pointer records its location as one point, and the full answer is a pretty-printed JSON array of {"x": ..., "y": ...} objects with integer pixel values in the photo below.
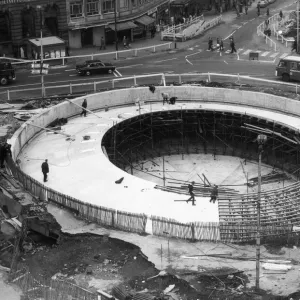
[
  {"x": 133, "y": 52},
  {"x": 141, "y": 80},
  {"x": 279, "y": 36},
  {"x": 260, "y": 32}
]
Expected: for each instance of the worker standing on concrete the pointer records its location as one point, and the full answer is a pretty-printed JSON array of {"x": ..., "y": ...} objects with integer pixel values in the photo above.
[
  {"x": 165, "y": 97},
  {"x": 45, "y": 169},
  {"x": 84, "y": 106},
  {"x": 191, "y": 192},
  {"x": 214, "y": 194},
  {"x": 210, "y": 44}
]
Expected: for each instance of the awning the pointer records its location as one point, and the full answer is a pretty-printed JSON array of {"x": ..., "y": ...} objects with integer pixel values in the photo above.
[
  {"x": 179, "y": 3},
  {"x": 122, "y": 26},
  {"x": 145, "y": 20}
]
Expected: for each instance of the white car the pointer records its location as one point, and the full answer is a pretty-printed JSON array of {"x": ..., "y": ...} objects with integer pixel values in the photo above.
[{"x": 263, "y": 3}]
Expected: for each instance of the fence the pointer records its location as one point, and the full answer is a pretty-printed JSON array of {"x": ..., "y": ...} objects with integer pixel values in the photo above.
[
  {"x": 197, "y": 29},
  {"x": 260, "y": 32},
  {"x": 175, "y": 32},
  {"x": 142, "y": 80},
  {"x": 133, "y": 52},
  {"x": 275, "y": 31}
]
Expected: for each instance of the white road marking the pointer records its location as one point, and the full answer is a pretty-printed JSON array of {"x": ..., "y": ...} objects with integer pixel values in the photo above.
[
  {"x": 251, "y": 20},
  {"x": 115, "y": 74},
  {"x": 247, "y": 52},
  {"x": 265, "y": 53},
  {"x": 225, "y": 62},
  {"x": 44, "y": 75},
  {"x": 130, "y": 66},
  {"x": 158, "y": 61},
  {"x": 188, "y": 61},
  {"x": 73, "y": 75},
  {"x": 118, "y": 73},
  {"x": 245, "y": 23},
  {"x": 192, "y": 55},
  {"x": 70, "y": 70},
  {"x": 230, "y": 35},
  {"x": 227, "y": 51},
  {"x": 283, "y": 55},
  {"x": 274, "y": 54}
]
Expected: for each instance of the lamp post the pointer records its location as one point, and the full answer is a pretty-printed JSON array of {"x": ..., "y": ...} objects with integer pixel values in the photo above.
[
  {"x": 261, "y": 140},
  {"x": 39, "y": 8},
  {"x": 116, "y": 31}
]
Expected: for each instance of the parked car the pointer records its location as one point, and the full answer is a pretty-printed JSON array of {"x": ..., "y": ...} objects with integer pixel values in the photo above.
[
  {"x": 288, "y": 68},
  {"x": 7, "y": 73},
  {"x": 263, "y": 3},
  {"x": 94, "y": 67}
]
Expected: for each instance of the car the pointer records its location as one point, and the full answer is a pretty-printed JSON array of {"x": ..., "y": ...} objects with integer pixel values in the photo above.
[
  {"x": 7, "y": 73},
  {"x": 95, "y": 67},
  {"x": 263, "y": 3}
]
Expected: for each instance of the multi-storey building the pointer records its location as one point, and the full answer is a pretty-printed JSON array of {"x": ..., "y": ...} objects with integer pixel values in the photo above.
[
  {"x": 21, "y": 20},
  {"x": 89, "y": 20}
]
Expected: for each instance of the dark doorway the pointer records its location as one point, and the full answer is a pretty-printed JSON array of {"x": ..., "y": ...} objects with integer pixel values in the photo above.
[
  {"x": 87, "y": 37},
  {"x": 5, "y": 34}
]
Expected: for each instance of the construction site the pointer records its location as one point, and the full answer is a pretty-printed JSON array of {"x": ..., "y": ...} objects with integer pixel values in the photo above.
[{"x": 139, "y": 238}]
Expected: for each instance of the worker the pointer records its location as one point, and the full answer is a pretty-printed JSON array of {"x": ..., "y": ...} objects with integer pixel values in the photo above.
[
  {"x": 45, "y": 169},
  {"x": 172, "y": 100},
  {"x": 165, "y": 97},
  {"x": 191, "y": 192},
  {"x": 84, "y": 106},
  {"x": 5, "y": 149},
  {"x": 214, "y": 194}
]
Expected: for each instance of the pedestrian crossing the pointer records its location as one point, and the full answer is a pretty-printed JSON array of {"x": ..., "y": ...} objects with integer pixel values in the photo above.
[{"x": 245, "y": 52}]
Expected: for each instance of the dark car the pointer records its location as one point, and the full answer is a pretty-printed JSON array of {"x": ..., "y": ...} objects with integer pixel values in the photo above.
[
  {"x": 94, "y": 67},
  {"x": 7, "y": 73}
]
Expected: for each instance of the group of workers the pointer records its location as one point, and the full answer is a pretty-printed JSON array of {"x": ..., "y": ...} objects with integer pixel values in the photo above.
[{"x": 213, "y": 195}]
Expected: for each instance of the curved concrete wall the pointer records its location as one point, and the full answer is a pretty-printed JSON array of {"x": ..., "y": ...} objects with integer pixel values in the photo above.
[{"x": 128, "y": 96}]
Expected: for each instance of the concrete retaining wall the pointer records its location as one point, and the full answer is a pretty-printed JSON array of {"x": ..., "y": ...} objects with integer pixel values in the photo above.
[{"x": 128, "y": 96}]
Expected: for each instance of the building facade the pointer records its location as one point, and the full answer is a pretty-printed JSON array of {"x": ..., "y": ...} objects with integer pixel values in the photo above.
[
  {"x": 21, "y": 20},
  {"x": 89, "y": 20}
]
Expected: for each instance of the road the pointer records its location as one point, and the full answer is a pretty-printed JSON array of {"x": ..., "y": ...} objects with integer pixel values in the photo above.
[{"x": 193, "y": 59}]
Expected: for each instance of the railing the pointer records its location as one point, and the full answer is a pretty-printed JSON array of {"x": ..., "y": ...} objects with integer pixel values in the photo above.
[
  {"x": 160, "y": 78},
  {"x": 197, "y": 29},
  {"x": 273, "y": 25},
  {"x": 133, "y": 52},
  {"x": 176, "y": 32}
]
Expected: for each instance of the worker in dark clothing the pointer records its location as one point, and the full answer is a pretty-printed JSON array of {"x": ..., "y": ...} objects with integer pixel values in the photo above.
[
  {"x": 281, "y": 14},
  {"x": 84, "y": 106},
  {"x": 210, "y": 44},
  {"x": 214, "y": 194},
  {"x": 4, "y": 151},
  {"x": 191, "y": 192},
  {"x": 218, "y": 43},
  {"x": 172, "y": 100},
  {"x": 45, "y": 169},
  {"x": 268, "y": 12},
  {"x": 246, "y": 9},
  {"x": 232, "y": 45},
  {"x": 258, "y": 9}
]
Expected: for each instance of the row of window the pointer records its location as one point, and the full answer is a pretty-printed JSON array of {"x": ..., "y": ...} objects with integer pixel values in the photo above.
[{"x": 94, "y": 7}]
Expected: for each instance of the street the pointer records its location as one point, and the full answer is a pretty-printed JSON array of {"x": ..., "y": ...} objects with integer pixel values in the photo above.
[{"x": 193, "y": 59}]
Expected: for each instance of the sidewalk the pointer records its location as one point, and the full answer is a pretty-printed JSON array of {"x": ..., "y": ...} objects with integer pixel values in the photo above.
[{"x": 227, "y": 17}]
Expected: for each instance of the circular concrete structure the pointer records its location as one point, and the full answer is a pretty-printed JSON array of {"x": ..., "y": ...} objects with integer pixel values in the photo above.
[{"x": 204, "y": 120}]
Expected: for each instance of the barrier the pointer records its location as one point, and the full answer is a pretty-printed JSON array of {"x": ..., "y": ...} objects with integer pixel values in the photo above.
[{"x": 230, "y": 210}]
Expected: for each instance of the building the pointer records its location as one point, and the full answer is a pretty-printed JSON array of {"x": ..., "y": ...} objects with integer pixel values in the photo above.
[
  {"x": 21, "y": 20},
  {"x": 89, "y": 20}
]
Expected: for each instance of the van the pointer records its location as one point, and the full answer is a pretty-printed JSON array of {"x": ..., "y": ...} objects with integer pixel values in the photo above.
[
  {"x": 289, "y": 68},
  {"x": 7, "y": 73}
]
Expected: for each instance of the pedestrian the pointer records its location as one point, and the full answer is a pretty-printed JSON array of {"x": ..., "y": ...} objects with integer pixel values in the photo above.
[
  {"x": 165, "y": 97},
  {"x": 246, "y": 9},
  {"x": 281, "y": 14},
  {"x": 45, "y": 169},
  {"x": 5, "y": 149},
  {"x": 221, "y": 45},
  {"x": 232, "y": 45},
  {"x": 125, "y": 42},
  {"x": 258, "y": 9},
  {"x": 153, "y": 30},
  {"x": 191, "y": 192},
  {"x": 144, "y": 33},
  {"x": 294, "y": 47},
  {"x": 218, "y": 43},
  {"x": 102, "y": 44},
  {"x": 268, "y": 12},
  {"x": 84, "y": 106},
  {"x": 214, "y": 194},
  {"x": 210, "y": 44}
]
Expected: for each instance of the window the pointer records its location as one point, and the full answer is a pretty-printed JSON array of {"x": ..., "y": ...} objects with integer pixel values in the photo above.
[
  {"x": 92, "y": 7},
  {"x": 76, "y": 9},
  {"x": 293, "y": 66},
  {"x": 282, "y": 64},
  {"x": 108, "y": 6},
  {"x": 123, "y": 3}
]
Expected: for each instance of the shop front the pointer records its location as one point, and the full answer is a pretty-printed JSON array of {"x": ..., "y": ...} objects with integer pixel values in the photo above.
[
  {"x": 144, "y": 26},
  {"x": 124, "y": 29},
  {"x": 178, "y": 10}
]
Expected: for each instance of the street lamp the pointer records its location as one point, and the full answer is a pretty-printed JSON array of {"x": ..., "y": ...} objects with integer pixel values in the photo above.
[
  {"x": 116, "y": 32},
  {"x": 39, "y": 8},
  {"x": 261, "y": 140}
]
